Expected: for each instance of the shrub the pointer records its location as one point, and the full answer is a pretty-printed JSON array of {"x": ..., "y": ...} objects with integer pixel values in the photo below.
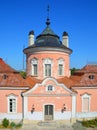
[
  {"x": 5, "y": 122},
  {"x": 12, "y": 125},
  {"x": 18, "y": 125}
]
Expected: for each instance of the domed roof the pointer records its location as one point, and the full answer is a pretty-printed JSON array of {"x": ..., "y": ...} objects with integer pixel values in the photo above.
[
  {"x": 47, "y": 37},
  {"x": 47, "y": 41}
]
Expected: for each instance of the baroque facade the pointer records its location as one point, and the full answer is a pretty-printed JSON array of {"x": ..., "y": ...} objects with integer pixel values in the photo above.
[{"x": 49, "y": 92}]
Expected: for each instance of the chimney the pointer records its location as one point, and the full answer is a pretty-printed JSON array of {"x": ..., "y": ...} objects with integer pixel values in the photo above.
[
  {"x": 65, "y": 39},
  {"x": 31, "y": 38}
]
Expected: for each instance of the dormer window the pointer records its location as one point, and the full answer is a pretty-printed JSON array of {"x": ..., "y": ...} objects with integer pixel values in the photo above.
[
  {"x": 5, "y": 76},
  {"x": 91, "y": 76},
  {"x": 49, "y": 88},
  {"x": 34, "y": 63}
]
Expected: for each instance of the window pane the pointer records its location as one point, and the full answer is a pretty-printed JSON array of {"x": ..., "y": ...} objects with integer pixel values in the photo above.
[
  {"x": 60, "y": 69},
  {"x": 85, "y": 104},
  {"x": 35, "y": 69},
  {"x": 47, "y": 69},
  {"x": 12, "y": 105},
  {"x": 50, "y": 88}
]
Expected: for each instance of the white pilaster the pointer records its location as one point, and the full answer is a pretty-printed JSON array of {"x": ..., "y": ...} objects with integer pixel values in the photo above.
[
  {"x": 25, "y": 107},
  {"x": 73, "y": 106}
]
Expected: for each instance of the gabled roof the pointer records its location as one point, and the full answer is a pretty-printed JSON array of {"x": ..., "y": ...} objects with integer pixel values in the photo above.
[
  {"x": 87, "y": 69},
  {"x": 10, "y": 77},
  {"x": 5, "y": 67},
  {"x": 86, "y": 77}
]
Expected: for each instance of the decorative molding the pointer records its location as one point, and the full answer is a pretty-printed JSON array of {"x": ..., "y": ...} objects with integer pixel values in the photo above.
[
  {"x": 44, "y": 83},
  {"x": 14, "y": 88}
]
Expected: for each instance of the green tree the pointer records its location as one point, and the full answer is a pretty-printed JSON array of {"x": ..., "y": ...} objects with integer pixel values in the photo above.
[{"x": 23, "y": 74}]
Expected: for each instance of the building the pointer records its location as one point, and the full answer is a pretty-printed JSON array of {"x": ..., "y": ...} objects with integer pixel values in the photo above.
[{"x": 49, "y": 92}]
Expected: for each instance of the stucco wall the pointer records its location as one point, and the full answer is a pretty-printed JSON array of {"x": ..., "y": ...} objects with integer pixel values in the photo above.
[{"x": 54, "y": 56}]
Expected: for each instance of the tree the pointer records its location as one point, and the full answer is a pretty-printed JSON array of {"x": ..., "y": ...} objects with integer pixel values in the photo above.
[{"x": 23, "y": 74}]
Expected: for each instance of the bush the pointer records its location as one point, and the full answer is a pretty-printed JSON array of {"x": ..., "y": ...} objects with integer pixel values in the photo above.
[
  {"x": 5, "y": 122},
  {"x": 18, "y": 125},
  {"x": 12, "y": 125},
  {"x": 90, "y": 123}
]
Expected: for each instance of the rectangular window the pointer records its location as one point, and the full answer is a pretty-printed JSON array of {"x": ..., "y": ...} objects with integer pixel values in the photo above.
[
  {"x": 50, "y": 88},
  {"x": 12, "y": 105},
  {"x": 60, "y": 69},
  {"x": 47, "y": 69},
  {"x": 34, "y": 69},
  {"x": 86, "y": 104}
]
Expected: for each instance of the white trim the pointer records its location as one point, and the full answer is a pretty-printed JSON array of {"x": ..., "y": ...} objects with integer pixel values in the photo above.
[
  {"x": 25, "y": 107},
  {"x": 14, "y": 88},
  {"x": 61, "y": 62},
  {"x": 73, "y": 106},
  {"x": 53, "y": 110},
  {"x": 11, "y": 96},
  {"x": 50, "y": 90},
  {"x": 44, "y": 82},
  {"x": 34, "y": 61},
  {"x": 86, "y": 96},
  {"x": 85, "y": 87},
  {"x": 47, "y": 61}
]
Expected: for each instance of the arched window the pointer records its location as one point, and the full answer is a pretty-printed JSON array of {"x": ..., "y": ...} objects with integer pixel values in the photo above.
[
  {"x": 85, "y": 102},
  {"x": 12, "y": 103},
  {"x": 47, "y": 66},
  {"x": 50, "y": 88},
  {"x": 34, "y": 64},
  {"x": 60, "y": 67}
]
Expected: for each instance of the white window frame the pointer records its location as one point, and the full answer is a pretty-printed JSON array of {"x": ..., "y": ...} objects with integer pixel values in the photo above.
[
  {"x": 83, "y": 97},
  {"x": 47, "y": 88},
  {"x": 34, "y": 61},
  {"x": 61, "y": 62},
  {"x": 47, "y": 61},
  {"x": 13, "y": 97}
]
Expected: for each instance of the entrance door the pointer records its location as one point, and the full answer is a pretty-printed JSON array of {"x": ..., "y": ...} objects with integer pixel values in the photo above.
[{"x": 48, "y": 112}]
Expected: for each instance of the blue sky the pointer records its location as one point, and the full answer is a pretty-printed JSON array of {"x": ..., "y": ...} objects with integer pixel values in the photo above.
[{"x": 77, "y": 17}]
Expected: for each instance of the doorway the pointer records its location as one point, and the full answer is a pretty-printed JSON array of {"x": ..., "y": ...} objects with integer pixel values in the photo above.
[{"x": 48, "y": 112}]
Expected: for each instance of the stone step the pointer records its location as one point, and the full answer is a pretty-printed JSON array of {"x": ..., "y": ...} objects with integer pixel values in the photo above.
[{"x": 47, "y": 123}]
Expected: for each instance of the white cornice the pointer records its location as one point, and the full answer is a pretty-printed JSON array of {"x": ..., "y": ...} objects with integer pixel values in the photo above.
[
  {"x": 85, "y": 87},
  {"x": 14, "y": 88},
  {"x": 44, "y": 82}
]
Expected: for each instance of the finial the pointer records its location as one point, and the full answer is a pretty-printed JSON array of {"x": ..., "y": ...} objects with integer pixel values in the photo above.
[
  {"x": 48, "y": 10},
  {"x": 48, "y": 20}
]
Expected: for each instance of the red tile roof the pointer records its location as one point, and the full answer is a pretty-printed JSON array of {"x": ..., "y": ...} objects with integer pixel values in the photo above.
[
  {"x": 88, "y": 69},
  {"x": 10, "y": 77},
  {"x": 5, "y": 67}
]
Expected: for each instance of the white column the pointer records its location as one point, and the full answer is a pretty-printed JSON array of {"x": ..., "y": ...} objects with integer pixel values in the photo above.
[
  {"x": 25, "y": 107},
  {"x": 73, "y": 114}
]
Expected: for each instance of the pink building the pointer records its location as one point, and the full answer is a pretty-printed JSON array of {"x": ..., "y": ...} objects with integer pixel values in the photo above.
[{"x": 49, "y": 92}]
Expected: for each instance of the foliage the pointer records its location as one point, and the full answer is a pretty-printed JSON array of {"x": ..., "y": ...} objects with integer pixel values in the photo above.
[
  {"x": 23, "y": 74},
  {"x": 73, "y": 70},
  {"x": 12, "y": 124},
  {"x": 90, "y": 123},
  {"x": 18, "y": 125},
  {"x": 5, "y": 122}
]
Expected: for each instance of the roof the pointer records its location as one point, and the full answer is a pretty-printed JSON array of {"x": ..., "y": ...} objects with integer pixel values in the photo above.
[
  {"x": 47, "y": 39},
  {"x": 10, "y": 77},
  {"x": 89, "y": 68},
  {"x": 85, "y": 77},
  {"x": 5, "y": 67}
]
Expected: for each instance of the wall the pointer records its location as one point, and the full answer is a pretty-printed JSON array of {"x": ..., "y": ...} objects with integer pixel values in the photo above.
[{"x": 54, "y": 56}]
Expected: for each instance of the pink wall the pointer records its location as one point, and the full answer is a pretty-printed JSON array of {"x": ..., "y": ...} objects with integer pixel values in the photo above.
[
  {"x": 54, "y": 56},
  {"x": 4, "y": 103},
  {"x": 93, "y": 97},
  {"x": 38, "y": 102},
  {"x": 50, "y": 97}
]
